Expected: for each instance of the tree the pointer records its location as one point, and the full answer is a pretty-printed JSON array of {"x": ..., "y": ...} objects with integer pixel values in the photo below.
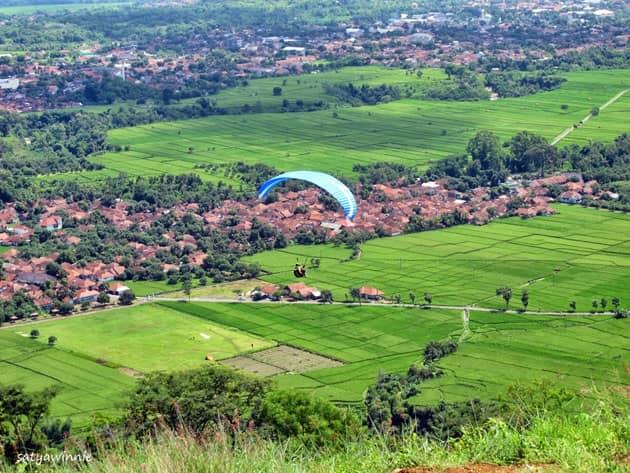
[
  {"x": 412, "y": 298},
  {"x": 616, "y": 303},
  {"x": 314, "y": 421},
  {"x": 103, "y": 298},
  {"x": 594, "y": 111},
  {"x": 52, "y": 340},
  {"x": 34, "y": 333},
  {"x": 167, "y": 95},
  {"x": 594, "y": 305},
  {"x": 572, "y": 306},
  {"x": 355, "y": 293},
  {"x": 486, "y": 148},
  {"x": 187, "y": 287},
  {"x": 277, "y": 91},
  {"x": 428, "y": 298},
  {"x": 506, "y": 294},
  {"x": 327, "y": 296},
  {"x": 126, "y": 298},
  {"x": 22, "y": 415},
  {"x": 603, "y": 303},
  {"x": 525, "y": 298},
  {"x": 198, "y": 400}
]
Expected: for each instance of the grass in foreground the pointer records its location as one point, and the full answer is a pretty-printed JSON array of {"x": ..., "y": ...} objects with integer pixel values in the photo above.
[{"x": 589, "y": 442}]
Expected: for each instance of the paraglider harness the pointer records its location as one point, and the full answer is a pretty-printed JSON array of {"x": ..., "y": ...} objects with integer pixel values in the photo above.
[{"x": 299, "y": 270}]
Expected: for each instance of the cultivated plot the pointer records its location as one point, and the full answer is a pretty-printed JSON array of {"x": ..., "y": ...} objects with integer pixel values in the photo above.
[
  {"x": 88, "y": 389},
  {"x": 368, "y": 339},
  {"x": 147, "y": 338},
  {"x": 410, "y": 131},
  {"x": 495, "y": 350},
  {"x": 578, "y": 255},
  {"x": 281, "y": 359}
]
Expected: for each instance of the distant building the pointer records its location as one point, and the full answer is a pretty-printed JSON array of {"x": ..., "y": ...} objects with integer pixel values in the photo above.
[
  {"x": 51, "y": 223},
  {"x": 570, "y": 197},
  {"x": 36, "y": 279},
  {"x": 117, "y": 289},
  {"x": 371, "y": 293},
  {"x": 86, "y": 296},
  {"x": 9, "y": 84}
]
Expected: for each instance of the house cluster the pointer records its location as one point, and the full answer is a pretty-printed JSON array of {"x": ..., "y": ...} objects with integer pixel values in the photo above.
[
  {"x": 301, "y": 292},
  {"x": 82, "y": 284},
  {"x": 571, "y": 189},
  {"x": 39, "y": 82},
  {"x": 386, "y": 209}
]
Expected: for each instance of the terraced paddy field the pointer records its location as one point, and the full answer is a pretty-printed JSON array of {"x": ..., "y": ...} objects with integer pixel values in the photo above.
[
  {"x": 311, "y": 87},
  {"x": 579, "y": 255},
  {"x": 501, "y": 350},
  {"x": 366, "y": 339},
  {"x": 496, "y": 350},
  {"x": 336, "y": 351},
  {"x": 411, "y": 131},
  {"x": 88, "y": 389}
]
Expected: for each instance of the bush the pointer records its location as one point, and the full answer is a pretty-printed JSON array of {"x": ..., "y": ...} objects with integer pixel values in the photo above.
[
  {"x": 311, "y": 420},
  {"x": 436, "y": 350}
]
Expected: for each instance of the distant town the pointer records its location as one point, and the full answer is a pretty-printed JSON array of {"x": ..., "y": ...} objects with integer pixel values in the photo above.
[{"x": 42, "y": 80}]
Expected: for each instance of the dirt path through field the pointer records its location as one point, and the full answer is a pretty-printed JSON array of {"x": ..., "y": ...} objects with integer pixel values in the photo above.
[{"x": 566, "y": 132}]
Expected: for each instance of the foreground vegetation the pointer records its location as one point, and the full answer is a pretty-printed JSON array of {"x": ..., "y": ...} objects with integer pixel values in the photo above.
[
  {"x": 216, "y": 420},
  {"x": 588, "y": 443}
]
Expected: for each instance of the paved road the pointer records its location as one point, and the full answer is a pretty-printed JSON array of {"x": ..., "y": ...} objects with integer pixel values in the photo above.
[
  {"x": 566, "y": 132},
  {"x": 466, "y": 308},
  {"x": 215, "y": 300}
]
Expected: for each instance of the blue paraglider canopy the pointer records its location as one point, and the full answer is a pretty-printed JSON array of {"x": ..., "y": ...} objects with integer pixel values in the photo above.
[{"x": 332, "y": 185}]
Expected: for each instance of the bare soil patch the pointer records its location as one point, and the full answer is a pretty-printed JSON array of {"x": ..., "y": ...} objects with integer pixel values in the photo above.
[
  {"x": 280, "y": 359},
  {"x": 131, "y": 372},
  {"x": 253, "y": 366}
]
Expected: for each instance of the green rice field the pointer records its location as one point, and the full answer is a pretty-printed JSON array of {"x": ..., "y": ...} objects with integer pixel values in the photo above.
[
  {"x": 411, "y": 131},
  {"x": 146, "y": 338},
  {"x": 579, "y": 255},
  {"x": 88, "y": 390},
  {"x": 97, "y": 356},
  {"x": 496, "y": 350},
  {"x": 4, "y": 249}
]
